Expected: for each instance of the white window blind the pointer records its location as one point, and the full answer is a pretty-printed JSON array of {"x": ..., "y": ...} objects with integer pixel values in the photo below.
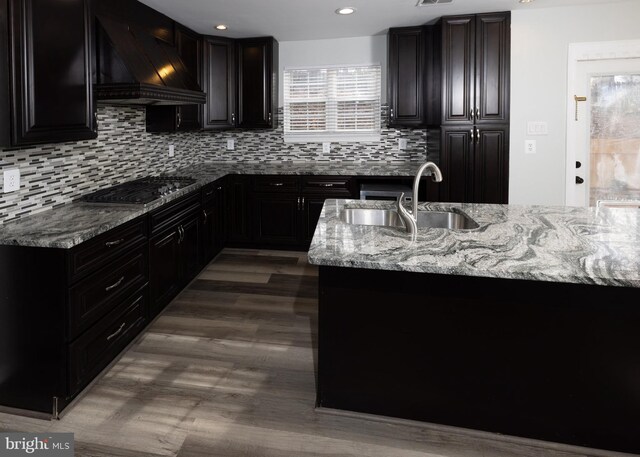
[{"x": 332, "y": 104}]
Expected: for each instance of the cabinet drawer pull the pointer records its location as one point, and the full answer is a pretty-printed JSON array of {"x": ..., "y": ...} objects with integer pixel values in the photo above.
[
  {"x": 276, "y": 184},
  {"x": 113, "y": 286},
  {"x": 220, "y": 188},
  {"x": 206, "y": 194},
  {"x": 111, "y": 244},
  {"x": 117, "y": 332},
  {"x": 326, "y": 184}
]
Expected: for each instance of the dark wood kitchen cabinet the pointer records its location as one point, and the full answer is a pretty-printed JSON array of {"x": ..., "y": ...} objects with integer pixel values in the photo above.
[
  {"x": 46, "y": 89},
  {"x": 286, "y": 209},
  {"x": 213, "y": 221},
  {"x": 277, "y": 219},
  {"x": 475, "y": 163},
  {"x": 474, "y": 149},
  {"x": 89, "y": 303},
  {"x": 174, "y": 250},
  {"x": 182, "y": 117},
  {"x": 475, "y": 69},
  {"x": 238, "y": 216},
  {"x": 257, "y": 63},
  {"x": 413, "y": 82},
  {"x": 220, "y": 83}
]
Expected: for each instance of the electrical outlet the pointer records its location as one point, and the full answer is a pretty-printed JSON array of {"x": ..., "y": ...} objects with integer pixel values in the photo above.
[
  {"x": 11, "y": 180},
  {"x": 402, "y": 144},
  {"x": 326, "y": 147},
  {"x": 172, "y": 150},
  {"x": 530, "y": 146},
  {"x": 231, "y": 144}
]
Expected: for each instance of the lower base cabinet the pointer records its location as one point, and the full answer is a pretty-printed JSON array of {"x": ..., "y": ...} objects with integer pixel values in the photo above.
[
  {"x": 213, "y": 221},
  {"x": 174, "y": 251},
  {"x": 284, "y": 210}
]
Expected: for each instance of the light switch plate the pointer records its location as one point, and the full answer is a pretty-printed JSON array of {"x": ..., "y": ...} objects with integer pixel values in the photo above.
[
  {"x": 326, "y": 147},
  {"x": 537, "y": 128},
  {"x": 11, "y": 180},
  {"x": 402, "y": 144},
  {"x": 530, "y": 146},
  {"x": 231, "y": 144},
  {"x": 172, "y": 150}
]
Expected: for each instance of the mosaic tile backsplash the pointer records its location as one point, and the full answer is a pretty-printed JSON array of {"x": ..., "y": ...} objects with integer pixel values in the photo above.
[{"x": 55, "y": 174}]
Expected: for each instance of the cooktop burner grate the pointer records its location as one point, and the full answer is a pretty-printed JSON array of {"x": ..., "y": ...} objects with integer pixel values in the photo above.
[{"x": 140, "y": 191}]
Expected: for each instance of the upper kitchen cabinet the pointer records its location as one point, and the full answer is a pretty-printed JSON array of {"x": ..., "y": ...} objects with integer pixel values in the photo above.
[
  {"x": 220, "y": 83},
  {"x": 182, "y": 117},
  {"x": 45, "y": 90},
  {"x": 413, "y": 90},
  {"x": 475, "y": 68},
  {"x": 257, "y": 60}
]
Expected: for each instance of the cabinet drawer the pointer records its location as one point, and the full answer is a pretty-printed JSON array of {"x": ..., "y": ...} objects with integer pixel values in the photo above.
[
  {"x": 97, "y": 347},
  {"x": 95, "y": 296},
  {"x": 327, "y": 185},
  {"x": 97, "y": 252},
  {"x": 168, "y": 214},
  {"x": 276, "y": 184}
]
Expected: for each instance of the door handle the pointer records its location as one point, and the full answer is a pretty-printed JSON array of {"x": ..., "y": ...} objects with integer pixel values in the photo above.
[{"x": 579, "y": 180}]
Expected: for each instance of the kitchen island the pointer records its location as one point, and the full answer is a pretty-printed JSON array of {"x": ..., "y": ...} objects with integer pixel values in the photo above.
[{"x": 527, "y": 325}]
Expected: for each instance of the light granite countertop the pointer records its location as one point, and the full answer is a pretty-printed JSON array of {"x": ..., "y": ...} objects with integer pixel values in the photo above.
[
  {"x": 540, "y": 243},
  {"x": 71, "y": 224}
]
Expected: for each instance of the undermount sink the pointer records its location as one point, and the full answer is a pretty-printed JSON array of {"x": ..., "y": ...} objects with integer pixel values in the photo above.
[
  {"x": 371, "y": 216},
  {"x": 452, "y": 220}
]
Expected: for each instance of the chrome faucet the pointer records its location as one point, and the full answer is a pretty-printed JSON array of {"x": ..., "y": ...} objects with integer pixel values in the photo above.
[{"x": 411, "y": 219}]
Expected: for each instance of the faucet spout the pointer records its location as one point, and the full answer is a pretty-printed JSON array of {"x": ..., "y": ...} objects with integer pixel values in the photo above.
[{"x": 437, "y": 177}]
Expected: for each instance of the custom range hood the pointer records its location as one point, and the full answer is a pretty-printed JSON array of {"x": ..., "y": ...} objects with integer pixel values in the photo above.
[{"x": 136, "y": 68}]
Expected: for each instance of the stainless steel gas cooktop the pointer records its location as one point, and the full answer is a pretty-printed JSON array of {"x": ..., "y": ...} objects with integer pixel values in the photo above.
[{"x": 140, "y": 191}]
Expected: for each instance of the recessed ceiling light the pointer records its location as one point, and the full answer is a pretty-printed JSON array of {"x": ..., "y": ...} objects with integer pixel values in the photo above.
[
  {"x": 346, "y": 10},
  {"x": 221, "y": 27}
]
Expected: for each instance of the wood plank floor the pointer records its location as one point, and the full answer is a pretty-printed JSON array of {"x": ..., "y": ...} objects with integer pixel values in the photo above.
[{"x": 229, "y": 370}]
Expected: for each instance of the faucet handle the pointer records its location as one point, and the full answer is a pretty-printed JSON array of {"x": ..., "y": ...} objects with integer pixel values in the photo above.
[{"x": 409, "y": 220}]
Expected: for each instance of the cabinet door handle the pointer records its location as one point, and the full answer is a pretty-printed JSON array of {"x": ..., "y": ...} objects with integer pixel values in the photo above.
[
  {"x": 298, "y": 203},
  {"x": 114, "y": 285},
  {"x": 302, "y": 204},
  {"x": 579, "y": 180},
  {"x": 178, "y": 120},
  {"x": 111, "y": 244},
  {"x": 95, "y": 122},
  {"x": 276, "y": 184},
  {"x": 473, "y": 134},
  {"x": 391, "y": 113},
  {"x": 220, "y": 188},
  {"x": 477, "y": 113},
  {"x": 269, "y": 117},
  {"x": 204, "y": 213},
  {"x": 471, "y": 113},
  {"x": 117, "y": 332},
  {"x": 180, "y": 234},
  {"x": 478, "y": 136},
  {"x": 233, "y": 118}
]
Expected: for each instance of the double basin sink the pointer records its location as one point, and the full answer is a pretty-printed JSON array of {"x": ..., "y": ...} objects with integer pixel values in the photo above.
[{"x": 452, "y": 220}]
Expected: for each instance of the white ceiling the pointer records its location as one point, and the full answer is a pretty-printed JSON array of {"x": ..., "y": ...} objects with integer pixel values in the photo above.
[{"x": 293, "y": 20}]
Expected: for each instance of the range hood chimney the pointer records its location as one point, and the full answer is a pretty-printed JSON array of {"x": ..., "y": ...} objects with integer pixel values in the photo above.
[{"x": 135, "y": 68}]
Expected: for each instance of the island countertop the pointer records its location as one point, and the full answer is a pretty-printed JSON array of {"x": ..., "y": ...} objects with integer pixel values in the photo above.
[
  {"x": 73, "y": 223},
  {"x": 597, "y": 246}
]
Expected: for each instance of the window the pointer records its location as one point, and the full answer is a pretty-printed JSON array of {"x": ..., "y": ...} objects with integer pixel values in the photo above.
[{"x": 332, "y": 104}]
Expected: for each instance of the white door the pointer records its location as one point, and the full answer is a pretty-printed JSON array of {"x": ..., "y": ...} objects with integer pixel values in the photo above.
[{"x": 603, "y": 157}]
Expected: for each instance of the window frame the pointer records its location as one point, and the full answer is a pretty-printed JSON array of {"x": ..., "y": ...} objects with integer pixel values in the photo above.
[{"x": 333, "y": 135}]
